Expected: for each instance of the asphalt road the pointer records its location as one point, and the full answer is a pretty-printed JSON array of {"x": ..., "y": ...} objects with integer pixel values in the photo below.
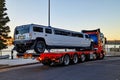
[{"x": 107, "y": 69}]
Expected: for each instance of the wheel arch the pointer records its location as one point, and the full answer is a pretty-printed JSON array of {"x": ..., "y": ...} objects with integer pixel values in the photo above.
[
  {"x": 41, "y": 38},
  {"x": 67, "y": 54},
  {"x": 75, "y": 54}
]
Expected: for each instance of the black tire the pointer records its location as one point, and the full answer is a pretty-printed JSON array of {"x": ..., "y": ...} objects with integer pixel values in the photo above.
[
  {"x": 75, "y": 59},
  {"x": 66, "y": 60},
  {"x": 40, "y": 47},
  {"x": 20, "y": 49},
  {"x": 94, "y": 56},
  {"x": 82, "y": 58},
  {"x": 101, "y": 56}
]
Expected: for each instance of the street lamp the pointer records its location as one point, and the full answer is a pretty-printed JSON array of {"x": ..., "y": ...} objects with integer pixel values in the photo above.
[{"x": 49, "y": 13}]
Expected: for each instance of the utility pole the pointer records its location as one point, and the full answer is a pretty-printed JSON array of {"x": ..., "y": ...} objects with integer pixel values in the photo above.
[{"x": 49, "y": 13}]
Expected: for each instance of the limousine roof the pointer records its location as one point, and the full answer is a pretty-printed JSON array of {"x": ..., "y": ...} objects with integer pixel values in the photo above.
[
  {"x": 31, "y": 24},
  {"x": 49, "y": 27}
]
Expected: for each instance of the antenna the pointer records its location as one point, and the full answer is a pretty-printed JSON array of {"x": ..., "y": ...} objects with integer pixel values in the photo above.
[{"x": 49, "y": 13}]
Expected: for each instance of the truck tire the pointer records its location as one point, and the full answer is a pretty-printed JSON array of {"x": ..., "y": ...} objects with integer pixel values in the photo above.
[
  {"x": 75, "y": 58},
  {"x": 20, "y": 49},
  {"x": 66, "y": 60},
  {"x": 82, "y": 58},
  {"x": 101, "y": 56},
  {"x": 94, "y": 56},
  {"x": 40, "y": 47}
]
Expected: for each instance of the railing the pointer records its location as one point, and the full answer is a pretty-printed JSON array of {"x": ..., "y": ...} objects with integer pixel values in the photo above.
[
  {"x": 7, "y": 54},
  {"x": 114, "y": 42}
]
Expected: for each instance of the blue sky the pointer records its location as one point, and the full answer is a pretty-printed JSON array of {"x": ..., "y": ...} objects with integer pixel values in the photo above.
[{"x": 73, "y": 15}]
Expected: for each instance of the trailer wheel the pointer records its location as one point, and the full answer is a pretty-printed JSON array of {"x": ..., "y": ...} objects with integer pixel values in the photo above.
[
  {"x": 40, "y": 47},
  {"x": 94, "y": 56},
  {"x": 101, "y": 56},
  {"x": 66, "y": 60},
  {"x": 83, "y": 58},
  {"x": 75, "y": 59}
]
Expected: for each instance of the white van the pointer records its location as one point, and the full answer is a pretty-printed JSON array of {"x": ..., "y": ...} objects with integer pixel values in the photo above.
[{"x": 42, "y": 37}]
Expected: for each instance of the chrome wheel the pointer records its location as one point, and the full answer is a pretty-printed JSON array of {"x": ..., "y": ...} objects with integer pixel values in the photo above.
[
  {"x": 94, "y": 56},
  {"x": 101, "y": 56},
  {"x": 66, "y": 60},
  {"x": 83, "y": 58},
  {"x": 75, "y": 59},
  {"x": 40, "y": 47}
]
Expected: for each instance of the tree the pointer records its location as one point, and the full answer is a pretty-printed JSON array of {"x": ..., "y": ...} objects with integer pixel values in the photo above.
[{"x": 4, "y": 29}]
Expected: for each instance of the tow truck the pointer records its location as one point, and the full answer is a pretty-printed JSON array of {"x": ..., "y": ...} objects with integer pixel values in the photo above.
[{"x": 75, "y": 56}]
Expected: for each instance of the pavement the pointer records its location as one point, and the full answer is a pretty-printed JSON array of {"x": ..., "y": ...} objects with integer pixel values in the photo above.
[
  {"x": 113, "y": 54},
  {"x": 8, "y": 63}
]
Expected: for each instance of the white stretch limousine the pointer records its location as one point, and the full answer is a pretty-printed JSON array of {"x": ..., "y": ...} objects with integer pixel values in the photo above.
[{"x": 39, "y": 38}]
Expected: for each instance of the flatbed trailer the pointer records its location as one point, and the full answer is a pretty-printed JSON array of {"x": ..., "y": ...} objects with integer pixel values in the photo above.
[
  {"x": 67, "y": 57},
  {"x": 64, "y": 58}
]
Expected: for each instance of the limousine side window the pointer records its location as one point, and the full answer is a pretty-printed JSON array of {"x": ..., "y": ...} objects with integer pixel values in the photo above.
[
  {"x": 49, "y": 31},
  {"x": 65, "y": 33},
  {"x": 37, "y": 29},
  {"x": 77, "y": 35},
  {"x": 60, "y": 32},
  {"x": 57, "y": 32}
]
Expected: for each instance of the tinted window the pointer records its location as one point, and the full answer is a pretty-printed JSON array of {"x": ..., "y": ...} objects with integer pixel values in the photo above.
[
  {"x": 49, "y": 31},
  {"x": 37, "y": 29},
  {"x": 80, "y": 35},
  {"x": 77, "y": 35},
  {"x": 22, "y": 30},
  {"x": 60, "y": 32},
  {"x": 65, "y": 33},
  {"x": 86, "y": 36}
]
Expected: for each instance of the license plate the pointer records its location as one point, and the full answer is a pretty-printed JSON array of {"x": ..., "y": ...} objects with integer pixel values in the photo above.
[{"x": 21, "y": 37}]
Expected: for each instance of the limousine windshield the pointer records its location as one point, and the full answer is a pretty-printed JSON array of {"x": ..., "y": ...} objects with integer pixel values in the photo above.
[{"x": 22, "y": 30}]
